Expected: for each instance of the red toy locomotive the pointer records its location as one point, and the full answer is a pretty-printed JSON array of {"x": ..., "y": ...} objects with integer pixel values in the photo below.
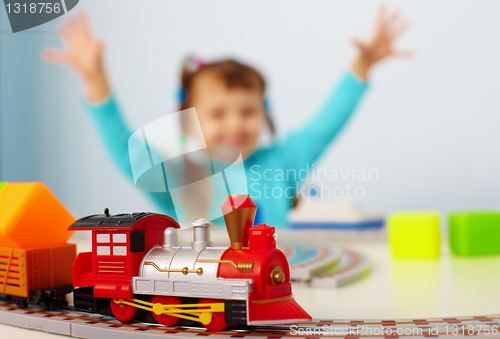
[{"x": 136, "y": 264}]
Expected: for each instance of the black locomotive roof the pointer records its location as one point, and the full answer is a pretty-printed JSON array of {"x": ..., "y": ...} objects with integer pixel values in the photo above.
[{"x": 103, "y": 221}]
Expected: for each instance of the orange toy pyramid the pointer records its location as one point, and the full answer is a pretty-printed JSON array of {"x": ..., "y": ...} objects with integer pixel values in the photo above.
[{"x": 31, "y": 216}]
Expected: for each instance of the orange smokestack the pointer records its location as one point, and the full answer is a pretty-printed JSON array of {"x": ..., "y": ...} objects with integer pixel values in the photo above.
[{"x": 239, "y": 213}]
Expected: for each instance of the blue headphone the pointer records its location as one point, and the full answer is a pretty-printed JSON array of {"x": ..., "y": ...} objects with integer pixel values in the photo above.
[{"x": 181, "y": 95}]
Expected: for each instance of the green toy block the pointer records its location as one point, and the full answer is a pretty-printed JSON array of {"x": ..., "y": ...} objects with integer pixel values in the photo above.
[
  {"x": 2, "y": 183},
  {"x": 474, "y": 232},
  {"x": 414, "y": 234}
]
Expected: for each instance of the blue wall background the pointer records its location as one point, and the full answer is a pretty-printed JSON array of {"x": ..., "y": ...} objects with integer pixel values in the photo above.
[{"x": 428, "y": 125}]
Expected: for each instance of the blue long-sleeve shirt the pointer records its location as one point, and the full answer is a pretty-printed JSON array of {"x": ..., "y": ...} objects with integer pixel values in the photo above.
[{"x": 274, "y": 172}]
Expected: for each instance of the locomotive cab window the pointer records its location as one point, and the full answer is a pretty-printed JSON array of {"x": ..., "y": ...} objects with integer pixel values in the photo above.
[
  {"x": 137, "y": 241},
  {"x": 119, "y": 238},
  {"x": 103, "y": 250},
  {"x": 103, "y": 238},
  {"x": 115, "y": 244},
  {"x": 119, "y": 250}
]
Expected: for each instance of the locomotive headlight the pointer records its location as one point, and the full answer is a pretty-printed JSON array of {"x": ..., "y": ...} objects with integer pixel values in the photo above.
[{"x": 277, "y": 276}]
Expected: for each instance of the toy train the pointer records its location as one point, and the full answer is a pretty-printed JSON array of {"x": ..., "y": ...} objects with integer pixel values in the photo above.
[
  {"x": 38, "y": 275},
  {"x": 35, "y": 262},
  {"x": 136, "y": 264},
  {"x": 138, "y": 271}
]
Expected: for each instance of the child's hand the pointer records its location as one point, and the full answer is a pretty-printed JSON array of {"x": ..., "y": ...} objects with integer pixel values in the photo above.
[
  {"x": 83, "y": 53},
  {"x": 388, "y": 28}
]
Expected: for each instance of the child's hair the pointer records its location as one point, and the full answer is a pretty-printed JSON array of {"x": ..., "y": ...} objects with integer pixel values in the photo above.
[{"x": 232, "y": 72}]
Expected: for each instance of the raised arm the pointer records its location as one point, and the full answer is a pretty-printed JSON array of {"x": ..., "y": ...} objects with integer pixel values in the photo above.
[
  {"x": 380, "y": 46},
  {"x": 303, "y": 147},
  {"x": 113, "y": 131},
  {"x": 83, "y": 53}
]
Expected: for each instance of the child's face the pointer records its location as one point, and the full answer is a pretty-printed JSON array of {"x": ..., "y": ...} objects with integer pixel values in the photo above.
[{"x": 228, "y": 116}]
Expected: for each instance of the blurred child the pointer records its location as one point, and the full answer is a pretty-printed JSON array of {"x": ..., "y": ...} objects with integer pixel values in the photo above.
[{"x": 229, "y": 100}]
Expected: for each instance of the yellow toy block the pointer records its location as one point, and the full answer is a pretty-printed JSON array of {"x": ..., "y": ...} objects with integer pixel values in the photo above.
[
  {"x": 31, "y": 216},
  {"x": 414, "y": 234}
]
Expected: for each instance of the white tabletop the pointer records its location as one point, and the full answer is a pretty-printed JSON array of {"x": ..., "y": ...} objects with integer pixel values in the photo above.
[{"x": 395, "y": 289}]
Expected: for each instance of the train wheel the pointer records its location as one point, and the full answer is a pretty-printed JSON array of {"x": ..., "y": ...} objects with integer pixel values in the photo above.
[
  {"x": 165, "y": 319},
  {"x": 20, "y": 301},
  {"x": 122, "y": 312},
  {"x": 218, "y": 322}
]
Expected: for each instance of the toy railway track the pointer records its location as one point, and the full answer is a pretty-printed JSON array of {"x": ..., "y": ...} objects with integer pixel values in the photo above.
[
  {"x": 323, "y": 265},
  {"x": 81, "y": 325}
]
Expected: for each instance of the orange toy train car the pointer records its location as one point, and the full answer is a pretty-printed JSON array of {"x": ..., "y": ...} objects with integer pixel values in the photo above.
[
  {"x": 37, "y": 275},
  {"x": 35, "y": 261}
]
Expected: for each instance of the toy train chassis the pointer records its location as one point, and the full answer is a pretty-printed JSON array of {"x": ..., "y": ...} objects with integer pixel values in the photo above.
[
  {"x": 50, "y": 297},
  {"x": 235, "y": 311}
]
